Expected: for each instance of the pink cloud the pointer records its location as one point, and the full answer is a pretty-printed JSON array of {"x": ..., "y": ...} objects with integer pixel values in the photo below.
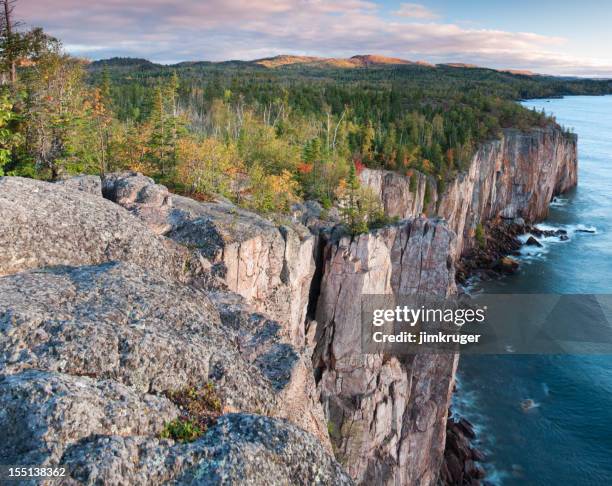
[
  {"x": 416, "y": 11},
  {"x": 169, "y": 31}
]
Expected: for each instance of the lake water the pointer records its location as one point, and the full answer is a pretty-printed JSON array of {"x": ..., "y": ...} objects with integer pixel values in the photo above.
[{"x": 567, "y": 438}]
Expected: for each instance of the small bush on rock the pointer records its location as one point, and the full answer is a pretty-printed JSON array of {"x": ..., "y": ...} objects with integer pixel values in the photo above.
[
  {"x": 200, "y": 407},
  {"x": 181, "y": 430},
  {"x": 480, "y": 236}
]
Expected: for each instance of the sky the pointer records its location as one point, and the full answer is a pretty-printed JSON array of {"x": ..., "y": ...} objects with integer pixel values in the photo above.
[{"x": 564, "y": 37}]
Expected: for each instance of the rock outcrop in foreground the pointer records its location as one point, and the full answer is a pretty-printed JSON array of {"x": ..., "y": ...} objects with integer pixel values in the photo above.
[
  {"x": 99, "y": 325},
  {"x": 53, "y": 224}
]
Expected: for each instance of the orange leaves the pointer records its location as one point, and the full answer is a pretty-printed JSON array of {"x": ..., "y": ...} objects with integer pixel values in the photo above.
[
  {"x": 305, "y": 168},
  {"x": 359, "y": 166}
]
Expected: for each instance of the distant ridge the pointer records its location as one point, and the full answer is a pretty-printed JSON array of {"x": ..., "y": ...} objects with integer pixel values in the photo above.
[
  {"x": 362, "y": 60},
  {"x": 123, "y": 61},
  {"x": 460, "y": 65},
  {"x": 283, "y": 60}
]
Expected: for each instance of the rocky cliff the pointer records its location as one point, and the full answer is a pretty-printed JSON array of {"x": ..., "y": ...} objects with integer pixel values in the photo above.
[
  {"x": 514, "y": 177},
  {"x": 387, "y": 415},
  {"x": 103, "y": 323},
  {"x": 115, "y": 295},
  {"x": 270, "y": 265}
]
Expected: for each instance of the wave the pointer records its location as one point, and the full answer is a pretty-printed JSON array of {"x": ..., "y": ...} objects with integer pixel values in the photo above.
[
  {"x": 465, "y": 405},
  {"x": 570, "y": 228},
  {"x": 559, "y": 202},
  {"x": 566, "y": 233}
]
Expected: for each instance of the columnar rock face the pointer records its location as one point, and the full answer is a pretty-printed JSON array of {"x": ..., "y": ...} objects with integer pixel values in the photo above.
[
  {"x": 402, "y": 196},
  {"x": 270, "y": 265},
  {"x": 387, "y": 415},
  {"x": 516, "y": 176}
]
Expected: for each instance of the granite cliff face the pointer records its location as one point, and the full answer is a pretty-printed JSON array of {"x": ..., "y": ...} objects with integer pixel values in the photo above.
[
  {"x": 270, "y": 265},
  {"x": 387, "y": 414},
  {"x": 515, "y": 177},
  {"x": 114, "y": 292}
]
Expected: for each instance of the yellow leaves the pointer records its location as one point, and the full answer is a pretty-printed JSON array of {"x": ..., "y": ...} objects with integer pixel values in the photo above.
[
  {"x": 285, "y": 187},
  {"x": 270, "y": 192},
  {"x": 341, "y": 189},
  {"x": 208, "y": 166}
]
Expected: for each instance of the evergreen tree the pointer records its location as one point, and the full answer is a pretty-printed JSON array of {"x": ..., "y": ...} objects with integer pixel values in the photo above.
[{"x": 351, "y": 211}]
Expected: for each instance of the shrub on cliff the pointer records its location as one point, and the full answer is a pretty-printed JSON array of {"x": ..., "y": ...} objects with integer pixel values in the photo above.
[
  {"x": 200, "y": 409},
  {"x": 360, "y": 208},
  {"x": 181, "y": 430},
  {"x": 480, "y": 236}
]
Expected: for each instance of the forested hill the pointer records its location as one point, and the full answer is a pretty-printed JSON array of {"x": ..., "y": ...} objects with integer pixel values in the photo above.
[
  {"x": 268, "y": 132},
  {"x": 509, "y": 84}
]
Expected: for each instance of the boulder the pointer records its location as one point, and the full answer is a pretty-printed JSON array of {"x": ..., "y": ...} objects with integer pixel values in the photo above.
[
  {"x": 270, "y": 265},
  {"x": 507, "y": 265},
  {"x": 86, "y": 183},
  {"x": 118, "y": 321},
  {"x": 532, "y": 241},
  {"x": 139, "y": 194},
  {"x": 44, "y": 224},
  {"x": 105, "y": 433},
  {"x": 44, "y": 412},
  {"x": 239, "y": 449}
]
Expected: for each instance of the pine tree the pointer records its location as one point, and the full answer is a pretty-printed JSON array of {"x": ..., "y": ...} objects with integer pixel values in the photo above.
[
  {"x": 367, "y": 142},
  {"x": 351, "y": 211},
  {"x": 166, "y": 127}
]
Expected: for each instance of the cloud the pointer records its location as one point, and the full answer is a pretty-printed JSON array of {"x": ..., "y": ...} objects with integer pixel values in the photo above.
[
  {"x": 169, "y": 31},
  {"x": 416, "y": 11}
]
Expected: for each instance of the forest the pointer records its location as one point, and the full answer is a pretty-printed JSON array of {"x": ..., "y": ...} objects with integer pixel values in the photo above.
[{"x": 264, "y": 137}]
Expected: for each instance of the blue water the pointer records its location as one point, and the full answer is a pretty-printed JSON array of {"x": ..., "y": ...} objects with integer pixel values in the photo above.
[{"x": 567, "y": 438}]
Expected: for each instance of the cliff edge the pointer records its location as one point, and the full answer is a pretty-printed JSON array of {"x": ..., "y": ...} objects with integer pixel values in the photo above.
[{"x": 124, "y": 309}]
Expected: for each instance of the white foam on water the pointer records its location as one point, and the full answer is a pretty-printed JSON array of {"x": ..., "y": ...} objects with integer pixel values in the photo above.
[
  {"x": 559, "y": 202},
  {"x": 530, "y": 253},
  {"x": 465, "y": 405},
  {"x": 570, "y": 228}
]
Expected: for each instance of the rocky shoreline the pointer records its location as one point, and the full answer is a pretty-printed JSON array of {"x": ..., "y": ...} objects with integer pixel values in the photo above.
[
  {"x": 462, "y": 460},
  {"x": 495, "y": 256}
]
